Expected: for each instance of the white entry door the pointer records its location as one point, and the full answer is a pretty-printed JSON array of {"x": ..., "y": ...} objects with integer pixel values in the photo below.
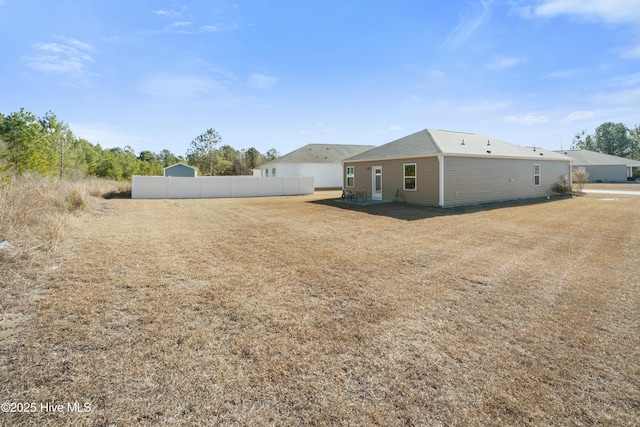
[{"x": 376, "y": 188}]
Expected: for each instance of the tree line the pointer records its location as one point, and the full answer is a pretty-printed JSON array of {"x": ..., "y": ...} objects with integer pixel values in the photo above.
[
  {"x": 611, "y": 138},
  {"x": 47, "y": 146}
]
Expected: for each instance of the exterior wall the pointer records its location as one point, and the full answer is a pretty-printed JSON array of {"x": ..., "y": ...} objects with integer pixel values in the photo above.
[
  {"x": 467, "y": 180},
  {"x": 180, "y": 170},
  {"x": 473, "y": 180},
  {"x": 326, "y": 175},
  {"x": 160, "y": 187},
  {"x": 613, "y": 173},
  {"x": 427, "y": 179}
]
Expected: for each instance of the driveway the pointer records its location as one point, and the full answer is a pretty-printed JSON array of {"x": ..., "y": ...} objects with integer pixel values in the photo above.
[{"x": 620, "y": 192}]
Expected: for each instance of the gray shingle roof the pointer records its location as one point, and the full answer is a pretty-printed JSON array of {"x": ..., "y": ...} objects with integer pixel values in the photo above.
[
  {"x": 321, "y": 153},
  {"x": 430, "y": 142},
  {"x": 593, "y": 158}
]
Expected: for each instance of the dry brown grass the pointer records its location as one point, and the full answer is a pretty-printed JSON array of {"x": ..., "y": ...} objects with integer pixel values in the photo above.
[
  {"x": 303, "y": 311},
  {"x": 36, "y": 215}
]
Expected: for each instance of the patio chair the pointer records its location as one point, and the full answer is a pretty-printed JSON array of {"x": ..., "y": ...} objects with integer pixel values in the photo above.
[
  {"x": 361, "y": 194},
  {"x": 347, "y": 195}
]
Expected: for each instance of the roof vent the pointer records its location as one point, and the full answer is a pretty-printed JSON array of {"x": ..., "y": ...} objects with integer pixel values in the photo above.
[
  {"x": 542, "y": 154},
  {"x": 534, "y": 148},
  {"x": 463, "y": 142},
  {"x": 488, "y": 142},
  {"x": 489, "y": 151}
]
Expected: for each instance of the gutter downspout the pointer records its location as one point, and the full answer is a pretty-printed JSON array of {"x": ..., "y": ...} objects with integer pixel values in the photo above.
[
  {"x": 571, "y": 174},
  {"x": 441, "y": 180}
]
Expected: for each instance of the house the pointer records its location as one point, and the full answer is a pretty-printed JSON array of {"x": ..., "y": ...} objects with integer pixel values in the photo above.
[
  {"x": 446, "y": 169},
  {"x": 180, "y": 170},
  {"x": 602, "y": 167},
  {"x": 322, "y": 161}
]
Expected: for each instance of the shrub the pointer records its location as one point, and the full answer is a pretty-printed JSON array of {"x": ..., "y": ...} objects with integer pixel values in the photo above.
[
  {"x": 561, "y": 187},
  {"x": 580, "y": 178},
  {"x": 75, "y": 201}
]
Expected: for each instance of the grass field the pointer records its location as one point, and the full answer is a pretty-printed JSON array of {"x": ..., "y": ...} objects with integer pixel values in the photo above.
[{"x": 307, "y": 311}]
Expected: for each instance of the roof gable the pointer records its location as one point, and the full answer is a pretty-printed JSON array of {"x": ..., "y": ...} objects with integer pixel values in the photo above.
[
  {"x": 593, "y": 158},
  {"x": 179, "y": 166},
  {"x": 321, "y": 153},
  {"x": 180, "y": 170}
]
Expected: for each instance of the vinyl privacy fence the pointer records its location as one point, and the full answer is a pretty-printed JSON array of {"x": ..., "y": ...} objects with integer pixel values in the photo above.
[{"x": 204, "y": 187}]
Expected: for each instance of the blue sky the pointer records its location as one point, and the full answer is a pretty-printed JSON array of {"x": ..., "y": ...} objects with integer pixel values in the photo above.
[{"x": 282, "y": 74}]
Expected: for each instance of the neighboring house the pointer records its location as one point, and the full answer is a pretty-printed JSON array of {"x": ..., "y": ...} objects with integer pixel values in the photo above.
[
  {"x": 181, "y": 170},
  {"x": 322, "y": 161},
  {"x": 602, "y": 167},
  {"x": 443, "y": 168}
]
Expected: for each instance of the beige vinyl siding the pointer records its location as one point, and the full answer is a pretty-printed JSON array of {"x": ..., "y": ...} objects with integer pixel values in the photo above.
[
  {"x": 471, "y": 180},
  {"x": 426, "y": 192},
  {"x": 361, "y": 177},
  {"x": 607, "y": 173}
]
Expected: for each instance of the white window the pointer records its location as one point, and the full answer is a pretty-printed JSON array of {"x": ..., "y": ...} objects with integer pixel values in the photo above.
[
  {"x": 273, "y": 172},
  {"x": 350, "y": 176},
  {"x": 536, "y": 174},
  {"x": 410, "y": 176},
  {"x": 266, "y": 172}
]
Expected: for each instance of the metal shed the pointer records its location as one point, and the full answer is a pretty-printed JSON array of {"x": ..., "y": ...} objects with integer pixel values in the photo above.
[{"x": 180, "y": 170}]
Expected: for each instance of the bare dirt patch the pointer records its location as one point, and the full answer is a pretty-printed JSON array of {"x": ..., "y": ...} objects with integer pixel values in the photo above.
[{"x": 294, "y": 310}]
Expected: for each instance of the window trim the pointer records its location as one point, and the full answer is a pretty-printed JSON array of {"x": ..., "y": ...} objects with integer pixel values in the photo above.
[
  {"x": 414, "y": 176},
  {"x": 351, "y": 175},
  {"x": 536, "y": 176}
]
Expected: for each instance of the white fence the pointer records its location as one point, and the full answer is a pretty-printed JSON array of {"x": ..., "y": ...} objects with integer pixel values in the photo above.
[{"x": 203, "y": 187}]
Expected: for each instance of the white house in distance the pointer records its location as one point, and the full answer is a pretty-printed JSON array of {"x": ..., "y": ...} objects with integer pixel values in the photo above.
[
  {"x": 602, "y": 167},
  {"x": 322, "y": 161}
]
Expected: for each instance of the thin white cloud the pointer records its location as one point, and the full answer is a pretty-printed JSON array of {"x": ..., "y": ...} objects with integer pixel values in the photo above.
[
  {"x": 319, "y": 128},
  {"x": 470, "y": 21},
  {"x": 261, "y": 81},
  {"x": 527, "y": 119},
  {"x": 612, "y": 11},
  {"x": 562, "y": 74},
  {"x": 626, "y": 81},
  {"x": 70, "y": 56},
  {"x": 180, "y": 87},
  {"x": 628, "y": 97},
  {"x": 162, "y": 13},
  {"x": 104, "y": 134},
  {"x": 502, "y": 63},
  {"x": 578, "y": 115},
  {"x": 485, "y": 107},
  {"x": 179, "y": 24},
  {"x": 218, "y": 27},
  {"x": 392, "y": 128},
  {"x": 631, "y": 52}
]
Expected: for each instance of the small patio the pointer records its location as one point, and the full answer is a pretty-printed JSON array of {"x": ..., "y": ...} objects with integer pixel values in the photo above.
[{"x": 359, "y": 197}]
